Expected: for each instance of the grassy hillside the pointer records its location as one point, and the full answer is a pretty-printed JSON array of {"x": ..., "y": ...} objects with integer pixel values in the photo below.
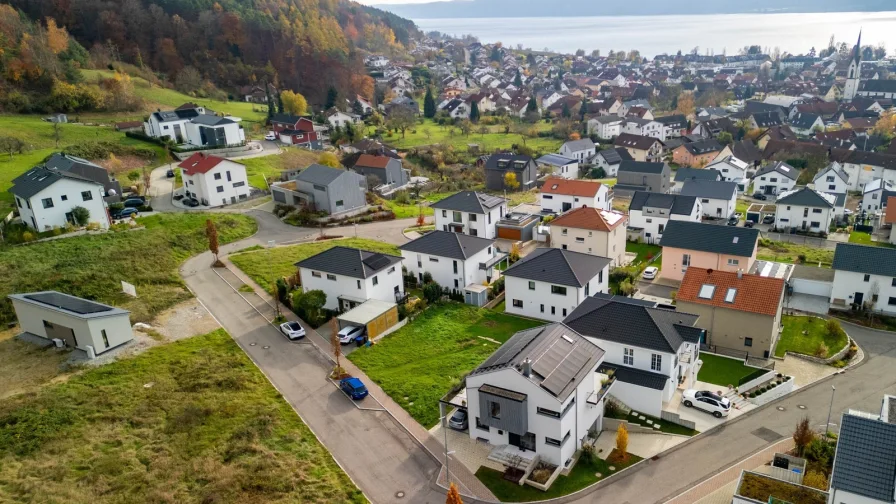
[
  {"x": 429, "y": 133},
  {"x": 190, "y": 422}
]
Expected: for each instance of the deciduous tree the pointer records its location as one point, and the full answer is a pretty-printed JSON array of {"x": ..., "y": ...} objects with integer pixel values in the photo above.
[
  {"x": 329, "y": 159},
  {"x": 453, "y": 495},
  {"x": 686, "y": 104},
  {"x": 510, "y": 181},
  {"x": 293, "y": 103},
  {"x": 622, "y": 441},
  {"x": 802, "y": 435},
  {"x": 81, "y": 215},
  {"x": 211, "y": 232}
]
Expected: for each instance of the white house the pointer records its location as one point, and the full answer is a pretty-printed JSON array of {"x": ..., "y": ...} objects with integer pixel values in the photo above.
[
  {"x": 866, "y": 448},
  {"x": 79, "y": 323},
  {"x": 559, "y": 195},
  {"x": 171, "y": 124},
  {"x": 349, "y": 277},
  {"x": 549, "y": 283},
  {"x": 470, "y": 212},
  {"x": 561, "y": 166},
  {"x": 454, "y": 260},
  {"x": 652, "y": 362},
  {"x": 832, "y": 179},
  {"x": 214, "y": 132},
  {"x": 592, "y": 231},
  {"x": 45, "y": 198},
  {"x": 609, "y": 126},
  {"x": 214, "y": 181},
  {"x": 611, "y": 159},
  {"x": 719, "y": 199},
  {"x": 650, "y": 212},
  {"x": 774, "y": 179},
  {"x": 732, "y": 170},
  {"x": 644, "y": 127},
  {"x": 806, "y": 124},
  {"x": 337, "y": 118},
  {"x": 864, "y": 274},
  {"x": 539, "y": 394},
  {"x": 580, "y": 150},
  {"x": 805, "y": 209},
  {"x": 874, "y": 195}
]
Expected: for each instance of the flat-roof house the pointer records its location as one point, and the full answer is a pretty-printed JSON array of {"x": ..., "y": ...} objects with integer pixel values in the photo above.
[
  {"x": 708, "y": 246},
  {"x": 470, "y": 212},
  {"x": 499, "y": 165},
  {"x": 454, "y": 260},
  {"x": 650, "y": 212},
  {"x": 559, "y": 166},
  {"x": 642, "y": 176},
  {"x": 349, "y": 276},
  {"x": 718, "y": 199},
  {"x": 863, "y": 275},
  {"x": 559, "y": 195},
  {"x": 593, "y": 231}
]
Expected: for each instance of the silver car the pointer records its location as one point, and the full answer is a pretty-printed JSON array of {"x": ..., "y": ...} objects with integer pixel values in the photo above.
[{"x": 458, "y": 420}]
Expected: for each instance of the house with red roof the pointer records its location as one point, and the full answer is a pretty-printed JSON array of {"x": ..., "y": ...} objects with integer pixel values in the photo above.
[
  {"x": 297, "y": 130},
  {"x": 592, "y": 231},
  {"x": 214, "y": 181},
  {"x": 384, "y": 170},
  {"x": 559, "y": 195}
]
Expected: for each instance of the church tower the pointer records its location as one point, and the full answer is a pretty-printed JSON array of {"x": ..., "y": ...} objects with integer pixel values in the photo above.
[{"x": 854, "y": 72}]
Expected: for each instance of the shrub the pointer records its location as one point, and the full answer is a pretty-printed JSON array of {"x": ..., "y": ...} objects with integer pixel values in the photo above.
[
  {"x": 81, "y": 215},
  {"x": 427, "y": 277},
  {"x": 820, "y": 450},
  {"x": 821, "y": 350},
  {"x": 432, "y": 292},
  {"x": 498, "y": 286},
  {"x": 588, "y": 451}
]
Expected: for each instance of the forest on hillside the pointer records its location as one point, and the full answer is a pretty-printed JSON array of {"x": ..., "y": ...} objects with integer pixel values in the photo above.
[{"x": 303, "y": 45}]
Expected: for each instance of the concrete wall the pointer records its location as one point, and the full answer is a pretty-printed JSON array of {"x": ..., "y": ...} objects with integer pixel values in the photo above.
[
  {"x": 770, "y": 395},
  {"x": 719, "y": 208},
  {"x": 641, "y": 399},
  {"x": 88, "y": 332},
  {"x": 811, "y": 287}
]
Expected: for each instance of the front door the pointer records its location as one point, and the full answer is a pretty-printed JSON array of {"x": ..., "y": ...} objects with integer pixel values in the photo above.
[
  {"x": 524, "y": 442},
  {"x": 858, "y": 299}
]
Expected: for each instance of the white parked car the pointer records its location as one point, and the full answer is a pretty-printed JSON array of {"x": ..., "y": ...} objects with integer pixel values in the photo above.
[
  {"x": 293, "y": 330},
  {"x": 650, "y": 273},
  {"x": 707, "y": 401},
  {"x": 350, "y": 333},
  {"x": 270, "y": 136}
]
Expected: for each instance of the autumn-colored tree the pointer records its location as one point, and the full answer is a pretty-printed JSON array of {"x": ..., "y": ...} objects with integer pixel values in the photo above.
[
  {"x": 337, "y": 346},
  {"x": 686, "y": 104},
  {"x": 575, "y": 135},
  {"x": 802, "y": 435},
  {"x": 816, "y": 479},
  {"x": 114, "y": 164},
  {"x": 293, "y": 103},
  {"x": 329, "y": 159},
  {"x": 886, "y": 125},
  {"x": 622, "y": 441},
  {"x": 453, "y": 495},
  {"x": 57, "y": 38},
  {"x": 211, "y": 232},
  {"x": 510, "y": 181}
]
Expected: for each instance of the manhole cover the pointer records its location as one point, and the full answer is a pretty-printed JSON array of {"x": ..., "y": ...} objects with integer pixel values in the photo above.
[
  {"x": 780, "y": 408},
  {"x": 252, "y": 344},
  {"x": 399, "y": 495},
  {"x": 265, "y": 347},
  {"x": 801, "y": 406}
]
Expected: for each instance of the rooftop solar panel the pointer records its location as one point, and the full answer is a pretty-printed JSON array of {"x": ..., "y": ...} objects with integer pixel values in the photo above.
[
  {"x": 376, "y": 262},
  {"x": 70, "y": 303}
]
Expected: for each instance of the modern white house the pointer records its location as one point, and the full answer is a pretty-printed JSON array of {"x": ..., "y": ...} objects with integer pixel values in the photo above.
[
  {"x": 549, "y": 283},
  {"x": 805, "y": 209},
  {"x": 45, "y": 198},
  {"x": 874, "y": 195},
  {"x": 592, "y": 231},
  {"x": 559, "y": 195},
  {"x": 644, "y": 127},
  {"x": 775, "y": 178},
  {"x": 78, "y": 323},
  {"x": 864, "y": 274},
  {"x": 580, "y": 150},
  {"x": 212, "y": 132},
  {"x": 559, "y": 166},
  {"x": 607, "y": 126},
  {"x": 171, "y": 124},
  {"x": 470, "y": 212},
  {"x": 654, "y": 351},
  {"x": 539, "y": 394},
  {"x": 454, "y": 260},
  {"x": 650, "y": 212},
  {"x": 718, "y": 199},
  {"x": 349, "y": 277},
  {"x": 832, "y": 179},
  {"x": 732, "y": 170},
  {"x": 214, "y": 181}
]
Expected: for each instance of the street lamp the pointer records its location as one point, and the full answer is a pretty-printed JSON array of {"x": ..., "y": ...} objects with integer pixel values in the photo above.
[
  {"x": 828, "y": 424},
  {"x": 444, "y": 420},
  {"x": 271, "y": 244}
]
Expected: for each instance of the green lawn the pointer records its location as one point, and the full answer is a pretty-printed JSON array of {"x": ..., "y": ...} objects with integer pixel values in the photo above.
[
  {"x": 865, "y": 239},
  {"x": 793, "y": 339},
  {"x": 609, "y": 182},
  {"x": 722, "y": 371},
  {"x": 407, "y": 210},
  {"x": 787, "y": 252},
  {"x": 667, "y": 427},
  {"x": 645, "y": 251},
  {"x": 429, "y": 133},
  {"x": 291, "y": 158},
  {"x": 266, "y": 265},
  {"x": 422, "y": 361},
  {"x": 581, "y": 476},
  {"x": 94, "y": 266},
  {"x": 191, "y": 421}
]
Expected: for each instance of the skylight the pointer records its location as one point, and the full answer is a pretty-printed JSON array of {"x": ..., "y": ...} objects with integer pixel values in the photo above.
[
  {"x": 729, "y": 296},
  {"x": 707, "y": 291},
  {"x": 555, "y": 186},
  {"x": 567, "y": 338},
  {"x": 735, "y": 240}
]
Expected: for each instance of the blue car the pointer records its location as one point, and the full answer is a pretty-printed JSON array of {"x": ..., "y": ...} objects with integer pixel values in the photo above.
[
  {"x": 354, "y": 388},
  {"x": 125, "y": 213}
]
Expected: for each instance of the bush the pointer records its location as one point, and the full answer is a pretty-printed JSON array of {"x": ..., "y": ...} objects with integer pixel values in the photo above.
[
  {"x": 498, "y": 286},
  {"x": 427, "y": 277},
  {"x": 821, "y": 350},
  {"x": 432, "y": 292}
]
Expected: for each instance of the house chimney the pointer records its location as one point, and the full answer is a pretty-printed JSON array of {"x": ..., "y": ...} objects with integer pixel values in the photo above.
[
  {"x": 527, "y": 367},
  {"x": 740, "y": 274}
]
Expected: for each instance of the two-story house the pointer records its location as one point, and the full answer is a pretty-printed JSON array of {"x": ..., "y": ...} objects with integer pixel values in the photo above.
[
  {"x": 650, "y": 212},
  {"x": 606, "y": 126},
  {"x": 865, "y": 457},
  {"x": 654, "y": 351},
  {"x": 45, "y": 198},
  {"x": 642, "y": 176},
  {"x": 806, "y": 124},
  {"x": 775, "y": 178},
  {"x": 296, "y": 130},
  {"x": 549, "y": 283},
  {"x": 685, "y": 174},
  {"x": 674, "y": 126},
  {"x": 171, "y": 124},
  {"x": 210, "y": 131},
  {"x": 499, "y": 165},
  {"x": 641, "y": 148},
  {"x": 580, "y": 150},
  {"x": 559, "y": 166},
  {"x": 349, "y": 276},
  {"x": 874, "y": 195},
  {"x": 610, "y": 159},
  {"x": 644, "y": 127},
  {"x": 559, "y": 195},
  {"x": 832, "y": 179},
  {"x": 732, "y": 170},
  {"x": 696, "y": 154},
  {"x": 470, "y": 212},
  {"x": 718, "y": 199},
  {"x": 864, "y": 274},
  {"x": 593, "y": 231},
  {"x": 88, "y": 170},
  {"x": 214, "y": 181},
  {"x": 454, "y": 260},
  {"x": 805, "y": 209},
  {"x": 708, "y": 246}
]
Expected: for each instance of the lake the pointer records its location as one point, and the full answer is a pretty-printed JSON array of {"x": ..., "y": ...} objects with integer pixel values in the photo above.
[{"x": 653, "y": 35}]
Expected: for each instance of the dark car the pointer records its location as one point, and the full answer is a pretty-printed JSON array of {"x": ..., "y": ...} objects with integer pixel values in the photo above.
[
  {"x": 733, "y": 220},
  {"x": 354, "y": 388},
  {"x": 134, "y": 202},
  {"x": 768, "y": 219},
  {"x": 748, "y": 224},
  {"x": 169, "y": 174},
  {"x": 124, "y": 213},
  {"x": 760, "y": 196},
  {"x": 191, "y": 202}
]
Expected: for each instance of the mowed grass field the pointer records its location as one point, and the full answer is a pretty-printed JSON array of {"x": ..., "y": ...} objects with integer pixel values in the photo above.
[
  {"x": 419, "y": 363},
  {"x": 193, "y": 421},
  {"x": 428, "y": 133},
  {"x": 93, "y": 266},
  {"x": 270, "y": 166}
]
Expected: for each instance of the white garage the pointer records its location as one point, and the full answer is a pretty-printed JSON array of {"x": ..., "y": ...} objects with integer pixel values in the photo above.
[{"x": 813, "y": 281}]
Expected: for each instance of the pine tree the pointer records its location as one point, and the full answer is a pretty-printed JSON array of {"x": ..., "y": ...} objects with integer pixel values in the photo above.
[
  {"x": 532, "y": 106},
  {"x": 270, "y": 101},
  {"x": 332, "y": 94},
  {"x": 518, "y": 80},
  {"x": 583, "y": 109},
  {"x": 279, "y": 105},
  {"x": 429, "y": 105},
  {"x": 474, "y": 112},
  {"x": 566, "y": 113}
]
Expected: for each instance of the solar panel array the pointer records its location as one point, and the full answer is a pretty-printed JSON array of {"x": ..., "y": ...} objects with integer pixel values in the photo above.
[
  {"x": 376, "y": 262},
  {"x": 559, "y": 364},
  {"x": 508, "y": 351},
  {"x": 70, "y": 303}
]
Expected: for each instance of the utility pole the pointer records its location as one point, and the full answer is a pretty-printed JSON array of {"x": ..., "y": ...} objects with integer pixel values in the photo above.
[{"x": 271, "y": 244}]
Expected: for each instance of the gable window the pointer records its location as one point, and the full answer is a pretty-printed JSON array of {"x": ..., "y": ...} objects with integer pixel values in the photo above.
[
  {"x": 829, "y": 178},
  {"x": 563, "y": 232},
  {"x": 867, "y": 278},
  {"x": 628, "y": 356},
  {"x": 531, "y": 285},
  {"x": 558, "y": 289},
  {"x": 217, "y": 176},
  {"x": 47, "y": 202},
  {"x": 517, "y": 303},
  {"x": 656, "y": 362},
  {"x": 331, "y": 277}
]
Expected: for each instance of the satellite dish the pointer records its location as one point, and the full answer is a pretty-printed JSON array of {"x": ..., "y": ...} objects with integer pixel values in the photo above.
[{"x": 112, "y": 192}]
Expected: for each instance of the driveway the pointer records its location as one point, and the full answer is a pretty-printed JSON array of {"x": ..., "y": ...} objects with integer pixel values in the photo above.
[{"x": 650, "y": 288}]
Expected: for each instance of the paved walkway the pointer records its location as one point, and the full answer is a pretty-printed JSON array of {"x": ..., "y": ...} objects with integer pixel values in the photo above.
[
  {"x": 725, "y": 494},
  {"x": 641, "y": 444}
]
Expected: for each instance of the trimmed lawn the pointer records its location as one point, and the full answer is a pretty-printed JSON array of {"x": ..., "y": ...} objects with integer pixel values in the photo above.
[
  {"x": 265, "y": 265},
  {"x": 609, "y": 182},
  {"x": 787, "y": 252},
  {"x": 419, "y": 363},
  {"x": 406, "y": 210},
  {"x": 644, "y": 250},
  {"x": 93, "y": 266},
  {"x": 722, "y": 371},
  {"x": 865, "y": 239},
  {"x": 581, "y": 476},
  {"x": 793, "y": 339},
  {"x": 428, "y": 132},
  {"x": 258, "y": 168},
  {"x": 191, "y": 421},
  {"x": 741, "y": 207},
  {"x": 667, "y": 427}
]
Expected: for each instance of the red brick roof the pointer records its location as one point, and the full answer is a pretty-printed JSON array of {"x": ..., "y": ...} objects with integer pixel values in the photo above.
[
  {"x": 199, "y": 163},
  {"x": 753, "y": 293},
  {"x": 373, "y": 161},
  {"x": 590, "y": 218},
  {"x": 570, "y": 187}
]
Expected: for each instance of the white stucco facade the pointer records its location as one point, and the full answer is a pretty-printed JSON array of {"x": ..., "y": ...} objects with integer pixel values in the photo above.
[
  {"x": 52, "y": 206},
  {"x": 383, "y": 286},
  {"x": 224, "y": 184},
  {"x": 559, "y": 203},
  {"x": 543, "y": 300},
  {"x": 102, "y": 333},
  {"x": 653, "y": 221},
  {"x": 447, "y": 272},
  {"x": 719, "y": 208},
  {"x": 848, "y": 284},
  {"x": 473, "y": 224},
  {"x": 803, "y": 217}
]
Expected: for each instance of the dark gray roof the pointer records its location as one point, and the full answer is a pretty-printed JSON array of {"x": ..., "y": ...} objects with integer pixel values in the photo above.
[
  {"x": 804, "y": 120},
  {"x": 767, "y": 119},
  {"x": 615, "y": 156},
  {"x": 878, "y": 86},
  {"x": 746, "y": 150},
  {"x": 638, "y": 377},
  {"x": 558, "y": 266},
  {"x": 703, "y": 146},
  {"x": 673, "y": 121},
  {"x": 65, "y": 162},
  {"x": 641, "y": 167},
  {"x": 709, "y": 189},
  {"x": 211, "y": 120},
  {"x": 804, "y": 197},
  {"x": 635, "y": 141},
  {"x": 865, "y": 259},
  {"x": 555, "y": 160},
  {"x": 286, "y": 118},
  {"x": 632, "y": 324},
  {"x": 865, "y": 461},
  {"x": 731, "y": 240},
  {"x": 779, "y": 167},
  {"x": 349, "y": 262},
  {"x": 504, "y": 162},
  {"x": 835, "y": 168},
  {"x": 37, "y": 179},
  {"x": 175, "y": 115},
  {"x": 469, "y": 201},
  {"x": 447, "y": 244},
  {"x": 320, "y": 174},
  {"x": 676, "y": 203},
  {"x": 560, "y": 357},
  {"x": 71, "y": 305},
  {"x": 682, "y": 174}
]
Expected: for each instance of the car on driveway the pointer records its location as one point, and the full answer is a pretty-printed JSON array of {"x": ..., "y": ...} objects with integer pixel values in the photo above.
[
  {"x": 748, "y": 224},
  {"x": 353, "y": 388},
  {"x": 458, "y": 420},
  {"x": 768, "y": 219},
  {"x": 733, "y": 220},
  {"x": 706, "y": 401},
  {"x": 650, "y": 273},
  {"x": 350, "y": 333},
  {"x": 292, "y": 330},
  {"x": 270, "y": 136},
  {"x": 169, "y": 173},
  {"x": 191, "y": 202},
  {"x": 759, "y": 196},
  {"x": 125, "y": 213}
]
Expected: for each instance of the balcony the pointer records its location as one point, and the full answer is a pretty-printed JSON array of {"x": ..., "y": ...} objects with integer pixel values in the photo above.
[{"x": 604, "y": 378}]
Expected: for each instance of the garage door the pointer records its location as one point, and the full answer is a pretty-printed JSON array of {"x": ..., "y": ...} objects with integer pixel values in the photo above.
[
  {"x": 510, "y": 233},
  {"x": 811, "y": 287}
]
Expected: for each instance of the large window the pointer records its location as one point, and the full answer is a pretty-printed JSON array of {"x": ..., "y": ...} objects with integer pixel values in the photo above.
[
  {"x": 656, "y": 362},
  {"x": 548, "y": 412},
  {"x": 47, "y": 202},
  {"x": 551, "y": 441},
  {"x": 457, "y": 217},
  {"x": 517, "y": 303},
  {"x": 628, "y": 356},
  {"x": 86, "y": 195},
  {"x": 558, "y": 289}
]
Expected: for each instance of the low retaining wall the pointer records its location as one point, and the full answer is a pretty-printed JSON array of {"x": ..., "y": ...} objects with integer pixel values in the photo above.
[
  {"x": 548, "y": 483},
  {"x": 811, "y": 358},
  {"x": 225, "y": 152},
  {"x": 756, "y": 382},
  {"x": 495, "y": 302},
  {"x": 612, "y": 424},
  {"x": 770, "y": 395},
  {"x": 676, "y": 419}
]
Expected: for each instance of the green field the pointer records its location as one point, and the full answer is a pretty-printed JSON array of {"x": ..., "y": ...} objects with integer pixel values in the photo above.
[
  {"x": 645, "y": 250},
  {"x": 291, "y": 158},
  {"x": 865, "y": 239},
  {"x": 422, "y": 361},
  {"x": 94, "y": 266},
  {"x": 793, "y": 339},
  {"x": 787, "y": 252},
  {"x": 493, "y": 140},
  {"x": 193, "y": 421},
  {"x": 263, "y": 266},
  {"x": 722, "y": 371}
]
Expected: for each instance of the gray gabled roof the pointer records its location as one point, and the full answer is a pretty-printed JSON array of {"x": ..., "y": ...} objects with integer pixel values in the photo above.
[
  {"x": 711, "y": 189},
  {"x": 39, "y": 178},
  {"x": 632, "y": 323},
  {"x": 641, "y": 167},
  {"x": 729, "y": 240},
  {"x": 320, "y": 174},
  {"x": 804, "y": 197},
  {"x": 676, "y": 203},
  {"x": 558, "y": 266},
  {"x": 804, "y": 120},
  {"x": 447, "y": 244},
  {"x": 555, "y": 160},
  {"x": 469, "y": 201},
  {"x": 865, "y": 460},
  {"x": 779, "y": 167},
  {"x": 868, "y": 259},
  {"x": 833, "y": 167},
  {"x": 683, "y": 174},
  {"x": 615, "y": 156},
  {"x": 211, "y": 120},
  {"x": 579, "y": 145},
  {"x": 349, "y": 262}
]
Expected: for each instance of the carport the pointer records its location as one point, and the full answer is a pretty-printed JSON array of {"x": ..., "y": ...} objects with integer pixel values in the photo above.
[
  {"x": 757, "y": 211},
  {"x": 379, "y": 317}
]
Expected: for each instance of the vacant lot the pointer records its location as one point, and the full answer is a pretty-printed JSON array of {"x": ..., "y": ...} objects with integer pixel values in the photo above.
[
  {"x": 787, "y": 252},
  {"x": 423, "y": 360},
  {"x": 190, "y": 422},
  {"x": 806, "y": 335},
  {"x": 429, "y": 133},
  {"x": 722, "y": 371},
  {"x": 270, "y": 166},
  {"x": 94, "y": 266},
  {"x": 647, "y": 254},
  {"x": 23, "y": 366}
]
